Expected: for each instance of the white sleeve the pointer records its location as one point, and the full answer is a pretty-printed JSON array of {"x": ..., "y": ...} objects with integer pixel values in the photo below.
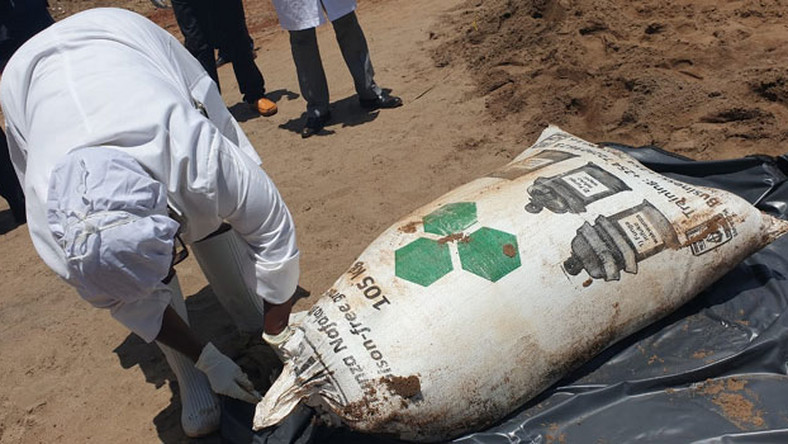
[
  {"x": 143, "y": 316},
  {"x": 250, "y": 202},
  {"x": 17, "y": 151}
]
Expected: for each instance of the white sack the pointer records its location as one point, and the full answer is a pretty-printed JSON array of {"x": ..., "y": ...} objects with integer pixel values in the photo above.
[{"x": 473, "y": 304}]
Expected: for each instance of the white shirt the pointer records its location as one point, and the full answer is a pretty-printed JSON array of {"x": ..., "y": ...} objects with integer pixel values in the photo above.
[
  {"x": 297, "y": 15},
  {"x": 109, "y": 77}
]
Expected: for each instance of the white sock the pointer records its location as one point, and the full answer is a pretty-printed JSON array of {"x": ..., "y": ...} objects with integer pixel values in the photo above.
[{"x": 200, "y": 408}]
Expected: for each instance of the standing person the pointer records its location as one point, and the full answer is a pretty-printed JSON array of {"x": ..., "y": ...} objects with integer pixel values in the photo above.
[
  {"x": 19, "y": 20},
  {"x": 300, "y": 18},
  {"x": 223, "y": 59},
  {"x": 210, "y": 24},
  {"x": 112, "y": 190}
]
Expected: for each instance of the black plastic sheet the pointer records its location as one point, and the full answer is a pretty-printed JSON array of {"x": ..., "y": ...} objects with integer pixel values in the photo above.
[{"x": 712, "y": 372}]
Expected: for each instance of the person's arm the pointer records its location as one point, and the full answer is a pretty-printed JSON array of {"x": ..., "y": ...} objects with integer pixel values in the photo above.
[
  {"x": 250, "y": 202},
  {"x": 275, "y": 317},
  {"x": 224, "y": 375},
  {"x": 178, "y": 335},
  {"x": 235, "y": 190}
]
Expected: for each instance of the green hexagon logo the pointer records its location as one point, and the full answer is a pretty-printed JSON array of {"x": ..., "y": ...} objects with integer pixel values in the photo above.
[
  {"x": 487, "y": 252},
  {"x": 450, "y": 219},
  {"x": 423, "y": 261}
]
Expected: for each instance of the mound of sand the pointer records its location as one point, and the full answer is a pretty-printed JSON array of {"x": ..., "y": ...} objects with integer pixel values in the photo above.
[{"x": 700, "y": 78}]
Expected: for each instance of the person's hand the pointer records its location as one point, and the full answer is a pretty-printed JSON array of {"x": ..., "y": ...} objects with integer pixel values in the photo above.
[
  {"x": 164, "y": 4},
  {"x": 286, "y": 343},
  {"x": 225, "y": 376}
]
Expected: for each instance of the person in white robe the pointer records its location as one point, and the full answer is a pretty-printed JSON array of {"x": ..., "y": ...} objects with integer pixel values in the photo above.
[{"x": 123, "y": 146}]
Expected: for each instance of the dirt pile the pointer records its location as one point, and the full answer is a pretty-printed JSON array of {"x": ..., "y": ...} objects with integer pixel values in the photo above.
[{"x": 700, "y": 78}]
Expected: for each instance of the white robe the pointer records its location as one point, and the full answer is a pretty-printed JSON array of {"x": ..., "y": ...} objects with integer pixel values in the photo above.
[
  {"x": 297, "y": 15},
  {"x": 109, "y": 77}
]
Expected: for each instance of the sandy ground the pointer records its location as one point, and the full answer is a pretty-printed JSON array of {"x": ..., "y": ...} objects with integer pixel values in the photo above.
[{"x": 479, "y": 80}]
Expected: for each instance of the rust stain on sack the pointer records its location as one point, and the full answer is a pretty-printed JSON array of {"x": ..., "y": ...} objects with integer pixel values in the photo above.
[
  {"x": 712, "y": 226},
  {"x": 384, "y": 414},
  {"x": 405, "y": 386},
  {"x": 509, "y": 250},
  {"x": 357, "y": 411},
  {"x": 410, "y": 227},
  {"x": 456, "y": 237}
]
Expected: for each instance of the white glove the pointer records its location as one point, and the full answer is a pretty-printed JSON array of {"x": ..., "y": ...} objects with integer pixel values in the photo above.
[
  {"x": 285, "y": 344},
  {"x": 225, "y": 376},
  {"x": 164, "y": 4}
]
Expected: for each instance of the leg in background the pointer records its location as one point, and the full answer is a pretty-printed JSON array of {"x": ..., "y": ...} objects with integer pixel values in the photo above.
[
  {"x": 233, "y": 40},
  {"x": 311, "y": 79},
  {"x": 194, "y": 20},
  {"x": 355, "y": 51}
]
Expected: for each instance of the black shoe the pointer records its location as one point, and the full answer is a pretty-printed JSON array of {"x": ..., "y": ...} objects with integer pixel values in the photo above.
[
  {"x": 314, "y": 125},
  {"x": 382, "y": 101}
]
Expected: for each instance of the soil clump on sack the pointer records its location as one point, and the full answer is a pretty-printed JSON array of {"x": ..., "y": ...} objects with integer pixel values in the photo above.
[
  {"x": 700, "y": 78},
  {"x": 506, "y": 260}
]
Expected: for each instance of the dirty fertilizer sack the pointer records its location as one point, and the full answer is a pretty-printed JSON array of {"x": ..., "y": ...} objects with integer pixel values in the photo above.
[{"x": 475, "y": 303}]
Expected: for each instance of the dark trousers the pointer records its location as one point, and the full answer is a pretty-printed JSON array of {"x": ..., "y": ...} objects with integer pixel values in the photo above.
[
  {"x": 20, "y": 20},
  {"x": 209, "y": 24},
  {"x": 309, "y": 67},
  {"x": 9, "y": 183}
]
